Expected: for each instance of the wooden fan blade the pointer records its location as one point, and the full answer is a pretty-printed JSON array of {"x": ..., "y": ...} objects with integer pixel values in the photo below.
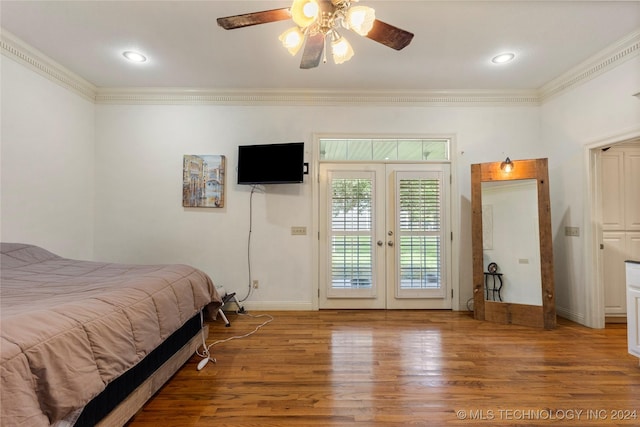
[
  {"x": 254, "y": 18},
  {"x": 389, "y": 35},
  {"x": 312, "y": 51}
]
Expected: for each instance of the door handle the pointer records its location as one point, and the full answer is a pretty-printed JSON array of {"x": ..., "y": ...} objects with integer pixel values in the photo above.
[
  {"x": 380, "y": 243},
  {"x": 390, "y": 243}
]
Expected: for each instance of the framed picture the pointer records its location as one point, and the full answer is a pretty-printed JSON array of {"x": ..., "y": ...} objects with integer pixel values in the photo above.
[{"x": 203, "y": 181}]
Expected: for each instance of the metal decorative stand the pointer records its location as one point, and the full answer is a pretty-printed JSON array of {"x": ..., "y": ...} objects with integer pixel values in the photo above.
[{"x": 493, "y": 284}]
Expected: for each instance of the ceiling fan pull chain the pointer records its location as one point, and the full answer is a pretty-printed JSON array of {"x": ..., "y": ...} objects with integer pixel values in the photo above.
[{"x": 324, "y": 51}]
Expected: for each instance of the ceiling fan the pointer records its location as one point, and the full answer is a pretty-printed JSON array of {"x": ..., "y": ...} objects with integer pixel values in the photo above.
[{"x": 318, "y": 22}]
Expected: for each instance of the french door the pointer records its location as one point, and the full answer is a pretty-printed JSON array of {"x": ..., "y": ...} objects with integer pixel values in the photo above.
[{"x": 384, "y": 236}]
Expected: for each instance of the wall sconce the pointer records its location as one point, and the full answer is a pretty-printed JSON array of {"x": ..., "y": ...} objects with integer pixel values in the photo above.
[{"x": 507, "y": 165}]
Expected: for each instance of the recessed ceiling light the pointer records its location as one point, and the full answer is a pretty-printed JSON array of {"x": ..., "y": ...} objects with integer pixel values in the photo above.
[
  {"x": 134, "y": 56},
  {"x": 503, "y": 58}
]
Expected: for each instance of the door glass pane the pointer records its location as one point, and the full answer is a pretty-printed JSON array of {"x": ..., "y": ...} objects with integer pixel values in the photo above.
[
  {"x": 351, "y": 204},
  {"x": 351, "y": 262},
  {"x": 385, "y": 149},
  {"x": 359, "y": 149},
  {"x": 351, "y": 233},
  {"x": 420, "y": 233},
  {"x": 410, "y": 149},
  {"x": 435, "y": 149},
  {"x": 419, "y": 262}
]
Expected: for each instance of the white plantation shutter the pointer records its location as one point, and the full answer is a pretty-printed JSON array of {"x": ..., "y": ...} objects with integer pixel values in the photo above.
[
  {"x": 351, "y": 258},
  {"x": 420, "y": 234},
  {"x": 382, "y": 236}
]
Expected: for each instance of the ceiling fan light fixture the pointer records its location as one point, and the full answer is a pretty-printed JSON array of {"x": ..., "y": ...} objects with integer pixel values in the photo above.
[
  {"x": 360, "y": 19},
  {"x": 292, "y": 39},
  {"x": 304, "y": 12},
  {"x": 341, "y": 49},
  {"x": 318, "y": 23}
]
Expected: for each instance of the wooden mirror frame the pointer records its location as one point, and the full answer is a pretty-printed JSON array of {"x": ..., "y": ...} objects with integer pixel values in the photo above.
[{"x": 503, "y": 312}]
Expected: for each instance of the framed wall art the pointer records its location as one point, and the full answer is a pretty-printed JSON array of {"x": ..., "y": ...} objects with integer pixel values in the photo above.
[{"x": 203, "y": 179}]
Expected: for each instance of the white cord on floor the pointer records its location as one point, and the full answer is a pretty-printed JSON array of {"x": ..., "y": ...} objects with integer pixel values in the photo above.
[
  {"x": 206, "y": 349},
  {"x": 206, "y": 354}
]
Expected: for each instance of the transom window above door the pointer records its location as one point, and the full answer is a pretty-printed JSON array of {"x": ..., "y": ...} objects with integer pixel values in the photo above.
[{"x": 380, "y": 149}]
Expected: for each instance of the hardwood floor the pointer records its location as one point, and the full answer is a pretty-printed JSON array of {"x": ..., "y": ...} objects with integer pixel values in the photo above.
[{"x": 400, "y": 368}]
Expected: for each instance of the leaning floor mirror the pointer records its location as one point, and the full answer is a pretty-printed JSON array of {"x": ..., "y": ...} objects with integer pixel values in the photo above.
[{"x": 512, "y": 244}]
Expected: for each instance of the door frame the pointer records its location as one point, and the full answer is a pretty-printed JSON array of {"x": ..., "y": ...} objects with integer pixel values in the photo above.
[
  {"x": 454, "y": 213},
  {"x": 594, "y": 277}
]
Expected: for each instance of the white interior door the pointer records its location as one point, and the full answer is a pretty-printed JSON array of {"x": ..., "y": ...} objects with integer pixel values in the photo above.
[
  {"x": 384, "y": 236},
  {"x": 614, "y": 251},
  {"x": 620, "y": 221}
]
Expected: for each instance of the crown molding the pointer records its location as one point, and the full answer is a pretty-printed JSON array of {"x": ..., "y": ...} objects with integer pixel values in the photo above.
[
  {"x": 14, "y": 48},
  {"x": 626, "y": 48},
  {"x": 301, "y": 97}
]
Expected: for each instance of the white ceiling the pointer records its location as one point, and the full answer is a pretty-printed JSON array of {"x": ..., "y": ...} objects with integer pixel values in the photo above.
[{"x": 451, "y": 50}]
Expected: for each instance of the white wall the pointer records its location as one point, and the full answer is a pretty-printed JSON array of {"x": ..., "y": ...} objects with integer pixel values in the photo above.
[
  {"x": 594, "y": 111},
  {"x": 47, "y": 163},
  {"x": 48, "y": 166},
  {"x": 139, "y": 217}
]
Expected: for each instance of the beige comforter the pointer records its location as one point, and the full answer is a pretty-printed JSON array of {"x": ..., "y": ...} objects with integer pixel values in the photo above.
[{"x": 70, "y": 327}]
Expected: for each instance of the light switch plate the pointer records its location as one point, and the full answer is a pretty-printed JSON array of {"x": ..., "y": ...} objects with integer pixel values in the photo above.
[
  {"x": 298, "y": 231},
  {"x": 572, "y": 231}
]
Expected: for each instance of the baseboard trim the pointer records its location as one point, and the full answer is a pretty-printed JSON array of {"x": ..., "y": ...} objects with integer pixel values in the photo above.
[
  {"x": 615, "y": 319},
  {"x": 276, "y": 306},
  {"x": 565, "y": 313}
]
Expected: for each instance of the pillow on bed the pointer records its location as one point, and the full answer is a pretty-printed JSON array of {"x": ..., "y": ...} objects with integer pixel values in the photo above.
[{"x": 19, "y": 254}]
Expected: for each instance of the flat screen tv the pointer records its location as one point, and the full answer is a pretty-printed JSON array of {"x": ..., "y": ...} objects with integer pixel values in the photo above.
[{"x": 271, "y": 163}]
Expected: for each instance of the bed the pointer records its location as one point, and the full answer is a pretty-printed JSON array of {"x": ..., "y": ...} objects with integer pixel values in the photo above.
[{"x": 83, "y": 340}]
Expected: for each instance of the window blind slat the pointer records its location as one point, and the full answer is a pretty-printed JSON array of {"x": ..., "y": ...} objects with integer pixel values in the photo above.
[
  {"x": 351, "y": 230},
  {"x": 419, "y": 204},
  {"x": 420, "y": 226}
]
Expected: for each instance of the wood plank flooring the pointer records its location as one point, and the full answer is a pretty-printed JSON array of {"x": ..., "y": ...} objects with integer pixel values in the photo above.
[{"x": 402, "y": 368}]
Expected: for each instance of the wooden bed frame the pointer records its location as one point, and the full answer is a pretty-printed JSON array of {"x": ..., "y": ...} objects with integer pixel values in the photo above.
[{"x": 122, "y": 413}]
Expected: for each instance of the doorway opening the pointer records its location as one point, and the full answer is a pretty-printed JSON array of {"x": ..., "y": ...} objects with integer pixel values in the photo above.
[{"x": 614, "y": 169}]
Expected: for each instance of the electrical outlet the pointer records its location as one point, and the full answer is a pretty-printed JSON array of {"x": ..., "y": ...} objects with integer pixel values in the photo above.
[
  {"x": 299, "y": 231},
  {"x": 572, "y": 231},
  {"x": 255, "y": 284}
]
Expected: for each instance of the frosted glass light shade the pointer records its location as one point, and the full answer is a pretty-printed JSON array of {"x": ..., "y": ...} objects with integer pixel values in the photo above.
[
  {"x": 360, "y": 19},
  {"x": 341, "y": 50},
  {"x": 304, "y": 12},
  {"x": 292, "y": 40}
]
